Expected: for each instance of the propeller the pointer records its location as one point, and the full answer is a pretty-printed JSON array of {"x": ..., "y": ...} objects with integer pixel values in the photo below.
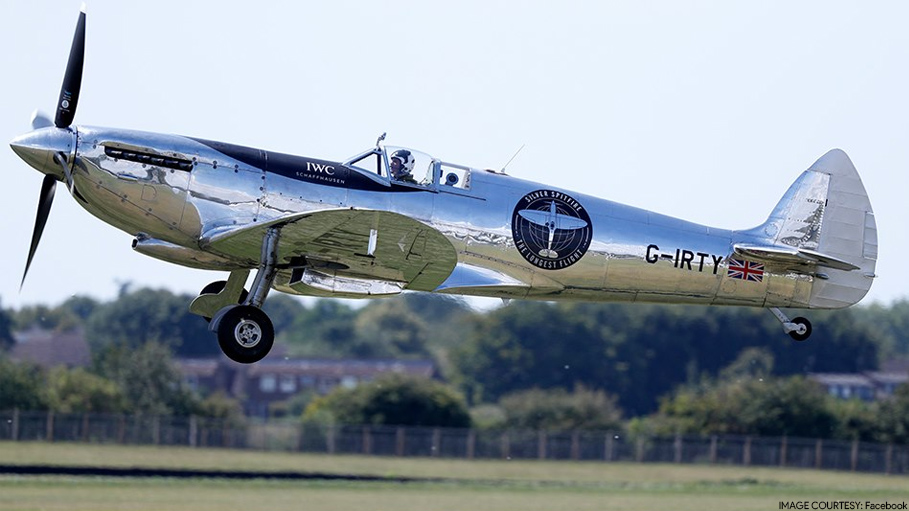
[
  {"x": 66, "y": 112},
  {"x": 45, "y": 201},
  {"x": 72, "y": 80}
]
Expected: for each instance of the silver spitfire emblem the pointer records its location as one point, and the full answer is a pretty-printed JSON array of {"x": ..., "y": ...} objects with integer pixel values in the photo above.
[{"x": 551, "y": 229}]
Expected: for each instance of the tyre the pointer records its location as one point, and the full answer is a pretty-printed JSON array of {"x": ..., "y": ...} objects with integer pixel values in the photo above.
[
  {"x": 803, "y": 336},
  {"x": 245, "y": 333}
]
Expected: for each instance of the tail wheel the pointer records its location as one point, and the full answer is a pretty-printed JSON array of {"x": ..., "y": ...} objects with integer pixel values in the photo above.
[
  {"x": 218, "y": 286},
  {"x": 804, "y": 330},
  {"x": 245, "y": 333}
]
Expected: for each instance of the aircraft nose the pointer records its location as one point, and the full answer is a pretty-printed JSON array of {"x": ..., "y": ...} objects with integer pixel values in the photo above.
[{"x": 37, "y": 148}]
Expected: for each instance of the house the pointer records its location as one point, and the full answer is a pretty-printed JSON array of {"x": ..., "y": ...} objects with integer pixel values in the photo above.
[
  {"x": 259, "y": 387},
  {"x": 50, "y": 348},
  {"x": 867, "y": 386},
  {"x": 209, "y": 375},
  {"x": 272, "y": 381},
  {"x": 275, "y": 380}
]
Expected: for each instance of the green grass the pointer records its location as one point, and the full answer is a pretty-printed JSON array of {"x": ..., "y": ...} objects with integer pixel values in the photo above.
[{"x": 469, "y": 485}]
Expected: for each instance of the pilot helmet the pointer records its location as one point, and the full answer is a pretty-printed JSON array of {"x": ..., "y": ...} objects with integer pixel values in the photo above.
[{"x": 406, "y": 158}]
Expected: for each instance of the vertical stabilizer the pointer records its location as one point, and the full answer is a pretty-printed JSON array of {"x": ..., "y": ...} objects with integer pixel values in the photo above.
[{"x": 826, "y": 217}]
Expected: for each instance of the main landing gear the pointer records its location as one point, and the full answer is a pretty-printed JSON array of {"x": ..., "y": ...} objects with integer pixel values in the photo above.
[
  {"x": 798, "y": 328},
  {"x": 245, "y": 332}
]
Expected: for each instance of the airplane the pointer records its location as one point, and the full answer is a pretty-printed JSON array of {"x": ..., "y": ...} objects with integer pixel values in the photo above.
[{"x": 393, "y": 219}]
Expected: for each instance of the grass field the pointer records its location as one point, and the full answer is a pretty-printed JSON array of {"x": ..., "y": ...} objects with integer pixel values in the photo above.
[{"x": 467, "y": 485}]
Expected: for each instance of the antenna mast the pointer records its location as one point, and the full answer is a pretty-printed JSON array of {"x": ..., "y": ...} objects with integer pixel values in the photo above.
[{"x": 512, "y": 158}]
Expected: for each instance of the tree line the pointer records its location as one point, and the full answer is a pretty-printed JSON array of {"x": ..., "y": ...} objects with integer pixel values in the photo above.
[
  {"x": 119, "y": 381},
  {"x": 536, "y": 364}
]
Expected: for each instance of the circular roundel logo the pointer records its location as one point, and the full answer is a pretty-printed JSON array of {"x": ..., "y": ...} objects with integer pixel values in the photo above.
[{"x": 551, "y": 229}]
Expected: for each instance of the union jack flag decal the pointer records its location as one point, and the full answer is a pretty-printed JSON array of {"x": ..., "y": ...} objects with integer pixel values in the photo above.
[{"x": 745, "y": 270}]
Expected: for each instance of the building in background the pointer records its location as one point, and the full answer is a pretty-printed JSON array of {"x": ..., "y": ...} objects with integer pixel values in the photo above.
[
  {"x": 50, "y": 348},
  {"x": 867, "y": 386},
  {"x": 263, "y": 386},
  {"x": 259, "y": 387}
]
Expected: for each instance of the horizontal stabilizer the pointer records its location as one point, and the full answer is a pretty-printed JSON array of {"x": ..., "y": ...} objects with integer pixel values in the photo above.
[{"x": 792, "y": 255}]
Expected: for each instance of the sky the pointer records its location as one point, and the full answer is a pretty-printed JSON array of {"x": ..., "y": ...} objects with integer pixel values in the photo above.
[{"x": 705, "y": 111}]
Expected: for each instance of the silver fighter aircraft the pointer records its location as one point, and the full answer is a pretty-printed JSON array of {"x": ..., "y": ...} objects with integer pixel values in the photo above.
[{"x": 392, "y": 219}]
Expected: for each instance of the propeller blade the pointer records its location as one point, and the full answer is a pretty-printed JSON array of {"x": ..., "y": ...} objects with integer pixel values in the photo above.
[
  {"x": 45, "y": 200},
  {"x": 40, "y": 120},
  {"x": 72, "y": 80}
]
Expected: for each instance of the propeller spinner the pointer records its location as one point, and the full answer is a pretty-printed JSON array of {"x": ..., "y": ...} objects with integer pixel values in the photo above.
[{"x": 50, "y": 147}]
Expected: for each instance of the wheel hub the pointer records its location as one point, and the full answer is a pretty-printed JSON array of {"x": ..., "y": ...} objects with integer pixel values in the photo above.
[{"x": 248, "y": 333}]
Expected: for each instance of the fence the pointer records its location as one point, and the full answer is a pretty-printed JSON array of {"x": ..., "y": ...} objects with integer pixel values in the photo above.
[{"x": 453, "y": 443}]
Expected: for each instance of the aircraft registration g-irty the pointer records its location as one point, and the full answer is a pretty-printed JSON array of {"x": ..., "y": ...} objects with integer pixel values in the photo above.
[{"x": 392, "y": 219}]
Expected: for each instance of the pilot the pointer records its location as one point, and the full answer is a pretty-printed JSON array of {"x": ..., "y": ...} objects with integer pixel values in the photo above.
[{"x": 402, "y": 162}]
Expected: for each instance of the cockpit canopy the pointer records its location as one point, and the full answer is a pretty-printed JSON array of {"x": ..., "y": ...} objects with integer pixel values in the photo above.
[{"x": 421, "y": 169}]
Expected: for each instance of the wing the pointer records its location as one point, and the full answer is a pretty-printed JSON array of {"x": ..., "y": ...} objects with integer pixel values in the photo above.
[
  {"x": 569, "y": 223},
  {"x": 373, "y": 250},
  {"x": 534, "y": 216},
  {"x": 562, "y": 221}
]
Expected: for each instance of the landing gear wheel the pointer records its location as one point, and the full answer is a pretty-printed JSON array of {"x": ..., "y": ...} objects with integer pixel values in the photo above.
[
  {"x": 245, "y": 333},
  {"x": 804, "y": 335},
  {"x": 215, "y": 288}
]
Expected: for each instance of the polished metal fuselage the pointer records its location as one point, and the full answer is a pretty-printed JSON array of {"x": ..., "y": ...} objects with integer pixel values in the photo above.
[{"x": 633, "y": 254}]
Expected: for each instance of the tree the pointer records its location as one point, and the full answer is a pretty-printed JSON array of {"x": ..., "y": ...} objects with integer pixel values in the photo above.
[
  {"x": 640, "y": 352},
  {"x": 520, "y": 346},
  {"x": 293, "y": 406},
  {"x": 384, "y": 330},
  {"x": 891, "y": 323},
  {"x": 394, "y": 399},
  {"x": 750, "y": 364},
  {"x": 6, "y": 330},
  {"x": 894, "y": 417},
  {"x": 45, "y": 317},
  {"x": 790, "y": 406},
  {"x": 446, "y": 315},
  {"x": 80, "y": 307},
  {"x": 283, "y": 310},
  {"x": 76, "y": 390},
  {"x": 21, "y": 386},
  {"x": 856, "y": 420},
  {"x": 839, "y": 343},
  {"x": 220, "y": 406},
  {"x": 488, "y": 416},
  {"x": 149, "y": 381},
  {"x": 388, "y": 328},
  {"x": 560, "y": 410},
  {"x": 324, "y": 330},
  {"x": 149, "y": 315}
]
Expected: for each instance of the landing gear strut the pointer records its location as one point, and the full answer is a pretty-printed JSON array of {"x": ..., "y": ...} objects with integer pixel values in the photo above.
[
  {"x": 245, "y": 333},
  {"x": 215, "y": 288},
  {"x": 798, "y": 328}
]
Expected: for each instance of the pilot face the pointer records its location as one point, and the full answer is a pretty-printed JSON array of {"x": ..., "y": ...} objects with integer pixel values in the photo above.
[{"x": 395, "y": 166}]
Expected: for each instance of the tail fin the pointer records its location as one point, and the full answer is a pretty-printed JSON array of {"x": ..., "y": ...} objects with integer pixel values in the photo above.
[{"x": 824, "y": 220}]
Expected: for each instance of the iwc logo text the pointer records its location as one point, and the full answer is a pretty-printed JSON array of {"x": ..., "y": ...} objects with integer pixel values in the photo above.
[{"x": 551, "y": 229}]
